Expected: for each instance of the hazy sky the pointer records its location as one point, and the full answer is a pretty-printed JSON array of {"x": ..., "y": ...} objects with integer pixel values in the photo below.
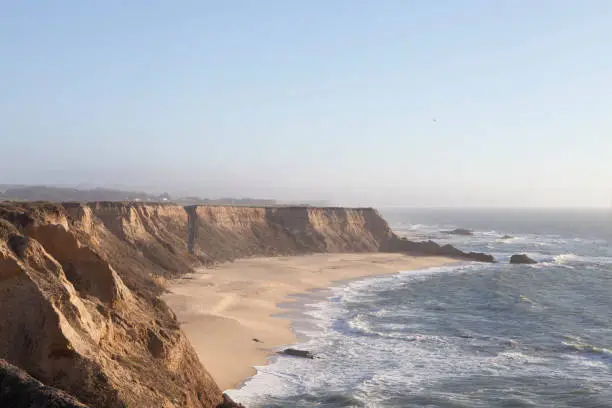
[{"x": 313, "y": 99}]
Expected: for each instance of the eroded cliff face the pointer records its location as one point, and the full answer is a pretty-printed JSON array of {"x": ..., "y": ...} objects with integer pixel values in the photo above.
[
  {"x": 226, "y": 233},
  {"x": 79, "y": 287},
  {"x": 71, "y": 320}
]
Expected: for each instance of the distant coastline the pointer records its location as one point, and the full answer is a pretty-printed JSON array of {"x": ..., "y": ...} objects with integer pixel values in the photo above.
[{"x": 12, "y": 192}]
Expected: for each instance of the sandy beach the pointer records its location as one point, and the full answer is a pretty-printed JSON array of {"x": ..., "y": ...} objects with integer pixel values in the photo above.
[{"x": 223, "y": 309}]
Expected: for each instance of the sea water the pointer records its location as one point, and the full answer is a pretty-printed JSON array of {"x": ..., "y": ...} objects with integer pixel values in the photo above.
[{"x": 467, "y": 335}]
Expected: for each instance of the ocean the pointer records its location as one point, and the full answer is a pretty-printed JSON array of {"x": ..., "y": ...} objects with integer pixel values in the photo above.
[{"x": 467, "y": 335}]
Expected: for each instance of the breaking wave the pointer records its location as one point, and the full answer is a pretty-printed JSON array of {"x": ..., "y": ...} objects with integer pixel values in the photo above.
[{"x": 475, "y": 335}]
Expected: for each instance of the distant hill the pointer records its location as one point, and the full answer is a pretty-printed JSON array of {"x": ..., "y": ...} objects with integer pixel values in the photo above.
[
  {"x": 58, "y": 194},
  {"x": 257, "y": 202},
  {"x": 65, "y": 194}
]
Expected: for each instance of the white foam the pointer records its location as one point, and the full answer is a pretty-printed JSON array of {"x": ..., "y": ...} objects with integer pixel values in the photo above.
[
  {"x": 565, "y": 258},
  {"x": 570, "y": 259},
  {"x": 370, "y": 356},
  {"x": 342, "y": 355}
]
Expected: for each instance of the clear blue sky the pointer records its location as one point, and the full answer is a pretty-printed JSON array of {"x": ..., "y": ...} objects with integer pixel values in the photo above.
[{"x": 313, "y": 99}]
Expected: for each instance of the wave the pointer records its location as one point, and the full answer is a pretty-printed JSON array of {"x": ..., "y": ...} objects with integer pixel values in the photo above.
[
  {"x": 584, "y": 347},
  {"x": 360, "y": 325},
  {"x": 424, "y": 227},
  {"x": 372, "y": 344},
  {"x": 497, "y": 236},
  {"x": 565, "y": 258},
  {"x": 525, "y": 299},
  {"x": 569, "y": 259}
]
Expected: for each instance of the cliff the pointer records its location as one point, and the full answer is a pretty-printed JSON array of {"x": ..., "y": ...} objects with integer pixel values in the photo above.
[{"x": 79, "y": 287}]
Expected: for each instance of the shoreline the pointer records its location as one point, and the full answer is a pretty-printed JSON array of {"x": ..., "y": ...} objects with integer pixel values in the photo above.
[{"x": 222, "y": 310}]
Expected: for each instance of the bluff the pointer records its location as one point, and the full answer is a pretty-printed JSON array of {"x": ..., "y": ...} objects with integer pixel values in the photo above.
[{"x": 80, "y": 285}]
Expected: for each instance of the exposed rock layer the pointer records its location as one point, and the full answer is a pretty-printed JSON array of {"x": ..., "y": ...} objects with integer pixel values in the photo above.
[{"x": 79, "y": 286}]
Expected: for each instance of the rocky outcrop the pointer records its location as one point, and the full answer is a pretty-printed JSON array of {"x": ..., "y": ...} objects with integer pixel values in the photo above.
[
  {"x": 80, "y": 286},
  {"x": 297, "y": 353},
  {"x": 19, "y": 390},
  {"x": 229, "y": 403},
  {"x": 430, "y": 248},
  {"x": 522, "y": 259},
  {"x": 459, "y": 231}
]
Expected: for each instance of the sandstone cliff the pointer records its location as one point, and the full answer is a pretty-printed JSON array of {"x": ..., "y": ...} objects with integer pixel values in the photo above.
[
  {"x": 79, "y": 286},
  {"x": 80, "y": 311}
]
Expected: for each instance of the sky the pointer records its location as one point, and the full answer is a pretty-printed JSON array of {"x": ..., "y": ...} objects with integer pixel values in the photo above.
[{"x": 392, "y": 102}]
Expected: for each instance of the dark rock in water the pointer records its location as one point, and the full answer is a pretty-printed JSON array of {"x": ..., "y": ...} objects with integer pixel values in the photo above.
[
  {"x": 522, "y": 259},
  {"x": 229, "y": 403},
  {"x": 459, "y": 231},
  {"x": 297, "y": 353},
  {"x": 430, "y": 248},
  {"x": 479, "y": 256},
  {"x": 507, "y": 237},
  {"x": 19, "y": 390}
]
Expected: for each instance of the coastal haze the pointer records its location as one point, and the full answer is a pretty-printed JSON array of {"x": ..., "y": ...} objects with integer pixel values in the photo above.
[
  {"x": 318, "y": 204},
  {"x": 395, "y": 103}
]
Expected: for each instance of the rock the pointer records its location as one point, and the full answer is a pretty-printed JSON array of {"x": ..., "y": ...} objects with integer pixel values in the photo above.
[
  {"x": 522, "y": 259},
  {"x": 297, "y": 353},
  {"x": 430, "y": 248},
  {"x": 479, "y": 257},
  {"x": 256, "y": 340},
  {"x": 459, "y": 231},
  {"x": 19, "y": 390},
  {"x": 229, "y": 403},
  {"x": 507, "y": 237},
  {"x": 512, "y": 343}
]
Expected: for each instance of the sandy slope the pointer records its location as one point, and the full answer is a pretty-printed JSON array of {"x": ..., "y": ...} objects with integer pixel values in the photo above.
[{"x": 222, "y": 309}]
